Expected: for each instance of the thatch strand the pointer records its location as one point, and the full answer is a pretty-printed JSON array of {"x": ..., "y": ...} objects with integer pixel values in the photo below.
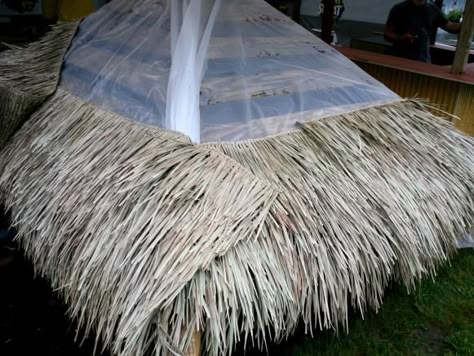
[
  {"x": 28, "y": 75},
  {"x": 149, "y": 237}
]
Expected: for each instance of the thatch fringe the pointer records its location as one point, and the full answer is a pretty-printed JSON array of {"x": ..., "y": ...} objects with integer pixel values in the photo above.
[
  {"x": 133, "y": 212},
  {"x": 149, "y": 237},
  {"x": 373, "y": 195},
  {"x": 28, "y": 75}
]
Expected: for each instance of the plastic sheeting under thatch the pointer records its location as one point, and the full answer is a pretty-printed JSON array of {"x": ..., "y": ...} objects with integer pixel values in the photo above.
[{"x": 149, "y": 237}]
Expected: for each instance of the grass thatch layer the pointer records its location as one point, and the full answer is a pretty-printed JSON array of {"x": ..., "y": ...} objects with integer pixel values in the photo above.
[
  {"x": 28, "y": 75},
  {"x": 149, "y": 237},
  {"x": 120, "y": 205}
]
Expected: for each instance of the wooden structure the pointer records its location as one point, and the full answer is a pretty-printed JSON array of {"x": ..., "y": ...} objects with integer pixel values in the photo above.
[
  {"x": 196, "y": 345},
  {"x": 465, "y": 38},
  {"x": 69, "y": 10},
  {"x": 450, "y": 87},
  {"x": 453, "y": 92}
]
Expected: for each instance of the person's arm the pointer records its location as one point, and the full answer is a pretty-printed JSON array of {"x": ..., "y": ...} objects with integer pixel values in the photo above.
[
  {"x": 445, "y": 24},
  {"x": 391, "y": 35},
  {"x": 452, "y": 27}
]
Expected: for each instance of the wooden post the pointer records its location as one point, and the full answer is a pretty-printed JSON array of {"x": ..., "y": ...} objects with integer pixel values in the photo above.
[
  {"x": 465, "y": 38},
  {"x": 196, "y": 344}
]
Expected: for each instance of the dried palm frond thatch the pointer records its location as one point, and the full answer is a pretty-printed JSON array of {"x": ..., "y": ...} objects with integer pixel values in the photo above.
[
  {"x": 149, "y": 237},
  {"x": 28, "y": 75}
]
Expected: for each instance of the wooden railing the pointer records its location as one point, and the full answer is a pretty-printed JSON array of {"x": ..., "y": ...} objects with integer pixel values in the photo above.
[{"x": 454, "y": 93}]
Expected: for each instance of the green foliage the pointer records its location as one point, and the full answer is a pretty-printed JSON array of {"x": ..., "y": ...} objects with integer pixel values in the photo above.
[{"x": 455, "y": 15}]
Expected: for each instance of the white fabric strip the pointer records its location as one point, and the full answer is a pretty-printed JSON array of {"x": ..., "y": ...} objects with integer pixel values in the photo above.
[{"x": 189, "y": 45}]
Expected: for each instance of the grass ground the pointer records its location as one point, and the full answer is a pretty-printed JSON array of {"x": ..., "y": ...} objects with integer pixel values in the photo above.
[{"x": 437, "y": 319}]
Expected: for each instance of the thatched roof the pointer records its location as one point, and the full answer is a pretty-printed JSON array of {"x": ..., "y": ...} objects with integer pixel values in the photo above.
[{"x": 149, "y": 237}]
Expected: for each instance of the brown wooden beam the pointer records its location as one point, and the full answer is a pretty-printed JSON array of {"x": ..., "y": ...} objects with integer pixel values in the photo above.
[
  {"x": 465, "y": 38},
  {"x": 196, "y": 345}
]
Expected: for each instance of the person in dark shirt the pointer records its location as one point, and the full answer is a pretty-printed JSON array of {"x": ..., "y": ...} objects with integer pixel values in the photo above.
[{"x": 409, "y": 27}]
